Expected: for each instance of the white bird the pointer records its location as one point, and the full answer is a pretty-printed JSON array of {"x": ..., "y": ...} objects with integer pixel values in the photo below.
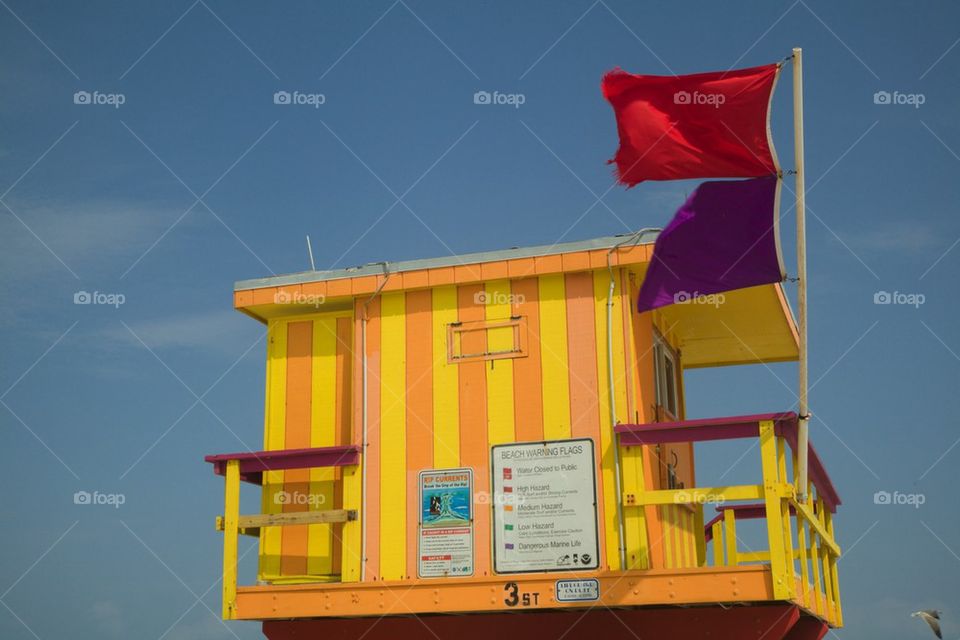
[{"x": 932, "y": 618}]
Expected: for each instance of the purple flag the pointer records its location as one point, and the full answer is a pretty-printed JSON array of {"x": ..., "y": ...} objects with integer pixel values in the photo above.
[{"x": 724, "y": 237}]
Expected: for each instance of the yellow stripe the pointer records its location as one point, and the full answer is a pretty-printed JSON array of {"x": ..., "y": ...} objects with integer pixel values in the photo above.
[
  {"x": 678, "y": 536},
  {"x": 635, "y": 519},
  {"x": 500, "y": 416},
  {"x": 601, "y": 288},
  {"x": 446, "y": 387},
  {"x": 553, "y": 358},
  {"x": 393, "y": 462},
  {"x": 667, "y": 529},
  {"x": 273, "y": 440},
  {"x": 323, "y": 428}
]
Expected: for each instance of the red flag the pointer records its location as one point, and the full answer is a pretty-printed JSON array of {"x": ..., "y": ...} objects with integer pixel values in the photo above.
[{"x": 706, "y": 125}]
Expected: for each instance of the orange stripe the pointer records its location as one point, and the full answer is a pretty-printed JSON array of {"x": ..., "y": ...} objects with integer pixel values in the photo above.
[
  {"x": 297, "y": 431},
  {"x": 626, "y": 307},
  {"x": 527, "y": 381},
  {"x": 473, "y": 419},
  {"x": 419, "y": 329},
  {"x": 372, "y": 458},
  {"x": 344, "y": 378},
  {"x": 344, "y": 374},
  {"x": 584, "y": 386}
]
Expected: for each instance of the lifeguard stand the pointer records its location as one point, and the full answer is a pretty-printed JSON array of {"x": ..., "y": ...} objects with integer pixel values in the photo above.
[{"x": 496, "y": 442}]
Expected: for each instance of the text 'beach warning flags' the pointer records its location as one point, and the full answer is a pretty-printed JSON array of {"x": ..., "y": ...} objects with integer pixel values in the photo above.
[{"x": 706, "y": 125}]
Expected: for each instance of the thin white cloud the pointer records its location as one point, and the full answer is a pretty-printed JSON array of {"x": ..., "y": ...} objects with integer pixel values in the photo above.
[
  {"x": 87, "y": 236},
  {"x": 910, "y": 238},
  {"x": 223, "y": 331},
  {"x": 109, "y": 617}
]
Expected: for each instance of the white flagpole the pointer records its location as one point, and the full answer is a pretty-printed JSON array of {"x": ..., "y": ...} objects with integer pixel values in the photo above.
[{"x": 803, "y": 424}]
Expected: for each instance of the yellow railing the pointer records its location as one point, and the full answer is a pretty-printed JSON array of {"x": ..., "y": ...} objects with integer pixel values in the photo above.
[
  {"x": 802, "y": 552},
  {"x": 251, "y": 467}
]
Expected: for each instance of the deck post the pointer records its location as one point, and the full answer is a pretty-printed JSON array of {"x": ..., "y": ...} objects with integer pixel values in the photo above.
[
  {"x": 830, "y": 601},
  {"x": 698, "y": 523},
  {"x": 834, "y": 579},
  {"x": 351, "y": 547},
  {"x": 718, "y": 544},
  {"x": 815, "y": 563},
  {"x": 635, "y": 516},
  {"x": 730, "y": 537},
  {"x": 779, "y": 567},
  {"x": 231, "y": 515},
  {"x": 802, "y": 545}
]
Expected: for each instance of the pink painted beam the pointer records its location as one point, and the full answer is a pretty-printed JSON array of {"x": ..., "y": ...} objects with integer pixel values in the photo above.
[
  {"x": 254, "y": 463},
  {"x": 731, "y": 428},
  {"x": 815, "y": 468}
]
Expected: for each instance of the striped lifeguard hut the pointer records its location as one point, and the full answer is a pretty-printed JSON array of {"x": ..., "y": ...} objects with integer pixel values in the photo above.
[{"x": 496, "y": 443}]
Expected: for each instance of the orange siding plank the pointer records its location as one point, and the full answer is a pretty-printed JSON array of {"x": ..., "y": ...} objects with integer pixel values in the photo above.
[
  {"x": 521, "y": 267},
  {"x": 548, "y": 264},
  {"x": 372, "y": 458},
  {"x": 629, "y": 344},
  {"x": 575, "y": 261},
  {"x": 341, "y": 287},
  {"x": 416, "y": 279},
  {"x": 419, "y": 336},
  {"x": 494, "y": 270},
  {"x": 440, "y": 276},
  {"x": 267, "y": 295},
  {"x": 584, "y": 402},
  {"x": 297, "y": 429}
]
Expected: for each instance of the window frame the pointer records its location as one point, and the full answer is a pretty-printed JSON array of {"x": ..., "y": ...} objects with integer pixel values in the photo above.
[
  {"x": 662, "y": 354},
  {"x": 457, "y": 329}
]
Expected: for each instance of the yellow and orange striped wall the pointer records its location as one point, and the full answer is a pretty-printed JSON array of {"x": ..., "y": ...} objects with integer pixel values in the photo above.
[{"x": 428, "y": 409}]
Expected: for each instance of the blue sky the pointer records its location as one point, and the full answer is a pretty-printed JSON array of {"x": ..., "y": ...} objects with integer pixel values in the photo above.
[{"x": 199, "y": 179}]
